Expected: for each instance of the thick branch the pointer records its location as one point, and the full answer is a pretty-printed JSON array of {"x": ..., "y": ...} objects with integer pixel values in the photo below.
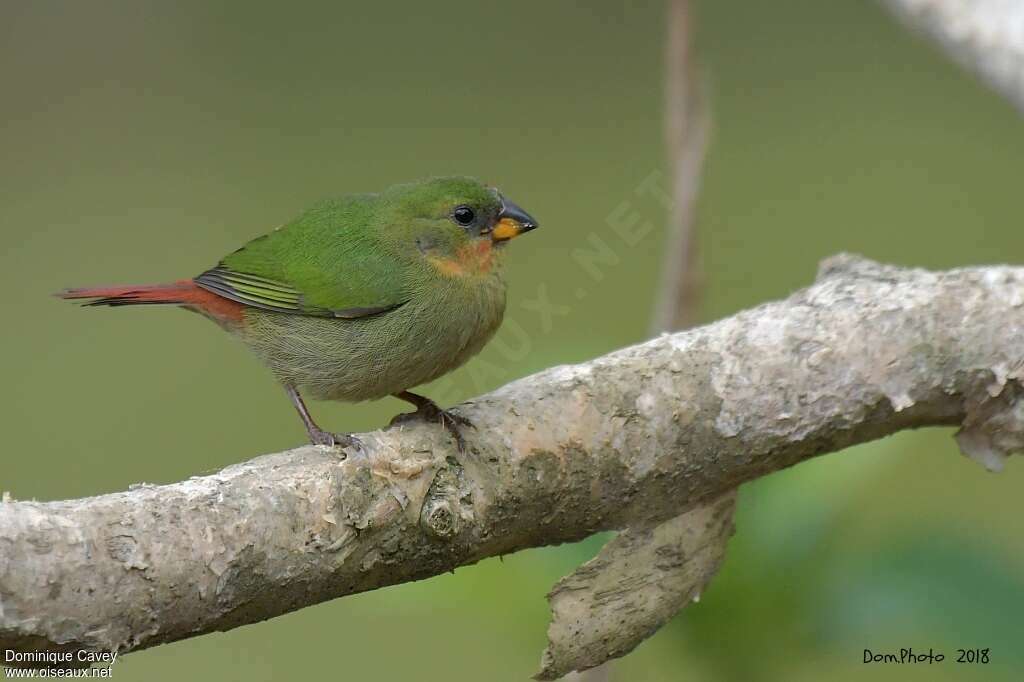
[
  {"x": 629, "y": 439},
  {"x": 986, "y": 36},
  {"x": 646, "y": 575}
]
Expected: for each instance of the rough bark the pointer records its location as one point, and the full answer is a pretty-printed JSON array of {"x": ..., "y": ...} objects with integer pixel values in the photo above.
[
  {"x": 637, "y": 583},
  {"x": 986, "y": 36},
  {"x": 652, "y": 572},
  {"x": 624, "y": 441}
]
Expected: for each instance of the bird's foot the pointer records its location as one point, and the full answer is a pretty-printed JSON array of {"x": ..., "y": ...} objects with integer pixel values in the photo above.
[
  {"x": 341, "y": 440},
  {"x": 431, "y": 412}
]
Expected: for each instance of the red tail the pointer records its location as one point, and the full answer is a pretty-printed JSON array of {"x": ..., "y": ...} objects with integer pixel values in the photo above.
[
  {"x": 175, "y": 294},
  {"x": 184, "y": 293}
]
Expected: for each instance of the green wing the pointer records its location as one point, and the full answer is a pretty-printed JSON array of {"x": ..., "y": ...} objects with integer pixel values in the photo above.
[
  {"x": 268, "y": 294},
  {"x": 327, "y": 263}
]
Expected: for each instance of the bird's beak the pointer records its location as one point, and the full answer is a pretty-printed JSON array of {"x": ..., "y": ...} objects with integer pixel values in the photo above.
[{"x": 512, "y": 222}]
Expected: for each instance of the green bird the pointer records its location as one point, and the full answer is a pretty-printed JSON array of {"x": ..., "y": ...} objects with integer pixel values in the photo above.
[{"x": 360, "y": 297}]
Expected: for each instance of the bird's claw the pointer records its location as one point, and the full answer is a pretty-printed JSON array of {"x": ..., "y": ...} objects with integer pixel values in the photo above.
[
  {"x": 457, "y": 418},
  {"x": 430, "y": 412},
  {"x": 331, "y": 440}
]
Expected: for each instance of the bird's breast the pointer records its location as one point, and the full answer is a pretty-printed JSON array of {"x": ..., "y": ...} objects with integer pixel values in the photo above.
[{"x": 445, "y": 322}]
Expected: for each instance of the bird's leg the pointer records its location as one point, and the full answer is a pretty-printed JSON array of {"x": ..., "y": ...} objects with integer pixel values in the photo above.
[
  {"x": 428, "y": 410},
  {"x": 317, "y": 435}
]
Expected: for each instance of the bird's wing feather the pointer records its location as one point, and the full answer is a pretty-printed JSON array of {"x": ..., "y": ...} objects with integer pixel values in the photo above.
[
  {"x": 267, "y": 294},
  {"x": 324, "y": 264}
]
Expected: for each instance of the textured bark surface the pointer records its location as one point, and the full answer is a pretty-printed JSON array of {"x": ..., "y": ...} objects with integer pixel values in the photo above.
[
  {"x": 624, "y": 441},
  {"x": 652, "y": 572},
  {"x": 986, "y": 36},
  {"x": 636, "y": 584}
]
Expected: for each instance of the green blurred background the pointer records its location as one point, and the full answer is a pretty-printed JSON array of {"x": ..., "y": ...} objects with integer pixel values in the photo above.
[{"x": 142, "y": 140}]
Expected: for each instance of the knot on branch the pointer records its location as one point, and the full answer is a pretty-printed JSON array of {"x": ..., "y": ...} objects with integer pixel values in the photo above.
[
  {"x": 994, "y": 426},
  {"x": 448, "y": 504}
]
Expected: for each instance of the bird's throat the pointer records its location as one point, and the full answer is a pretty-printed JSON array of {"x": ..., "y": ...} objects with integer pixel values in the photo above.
[{"x": 474, "y": 259}]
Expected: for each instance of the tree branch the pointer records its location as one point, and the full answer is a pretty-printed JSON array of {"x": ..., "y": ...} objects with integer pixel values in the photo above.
[
  {"x": 623, "y": 441},
  {"x": 986, "y": 36},
  {"x": 652, "y": 572}
]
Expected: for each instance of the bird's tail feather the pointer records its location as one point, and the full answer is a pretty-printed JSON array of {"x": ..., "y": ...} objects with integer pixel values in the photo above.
[
  {"x": 178, "y": 293},
  {"x": 229, "y": 314}
]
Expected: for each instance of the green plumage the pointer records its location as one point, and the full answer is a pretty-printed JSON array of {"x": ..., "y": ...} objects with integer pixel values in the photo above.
[
  {"x": 333, "y": 257},
  {"x": 361, "y": 297},
  {"x": 372, "y": 357},
  {"x": 368, "y": 260}
]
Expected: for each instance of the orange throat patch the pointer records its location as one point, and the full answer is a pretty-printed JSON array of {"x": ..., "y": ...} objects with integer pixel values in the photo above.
[{"x": 476, "y": 258}]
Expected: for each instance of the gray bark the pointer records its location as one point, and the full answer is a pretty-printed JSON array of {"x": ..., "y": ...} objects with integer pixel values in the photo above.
[
  {"x": 652, "y": 572},
  {"x": 624, "y": 441},
  {"x": 637, "y": 583},
  {"x": 986, "y": 36}
]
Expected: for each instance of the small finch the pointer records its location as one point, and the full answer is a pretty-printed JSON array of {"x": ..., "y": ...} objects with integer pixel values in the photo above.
[{"x": 360, "y": 297}]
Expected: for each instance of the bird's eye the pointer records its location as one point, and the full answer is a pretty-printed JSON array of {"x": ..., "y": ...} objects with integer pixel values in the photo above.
[{"x": 464, "y": 215}]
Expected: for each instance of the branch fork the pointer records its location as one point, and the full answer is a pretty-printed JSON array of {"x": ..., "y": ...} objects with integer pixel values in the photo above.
[{"x": 628, "y": 441}]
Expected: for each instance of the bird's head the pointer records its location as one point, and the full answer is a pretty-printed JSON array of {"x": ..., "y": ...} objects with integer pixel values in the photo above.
[{"x": 457, "y": 223}]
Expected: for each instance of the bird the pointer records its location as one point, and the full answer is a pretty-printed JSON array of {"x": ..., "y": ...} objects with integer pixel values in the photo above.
[{"x": 360, "y": 297}]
